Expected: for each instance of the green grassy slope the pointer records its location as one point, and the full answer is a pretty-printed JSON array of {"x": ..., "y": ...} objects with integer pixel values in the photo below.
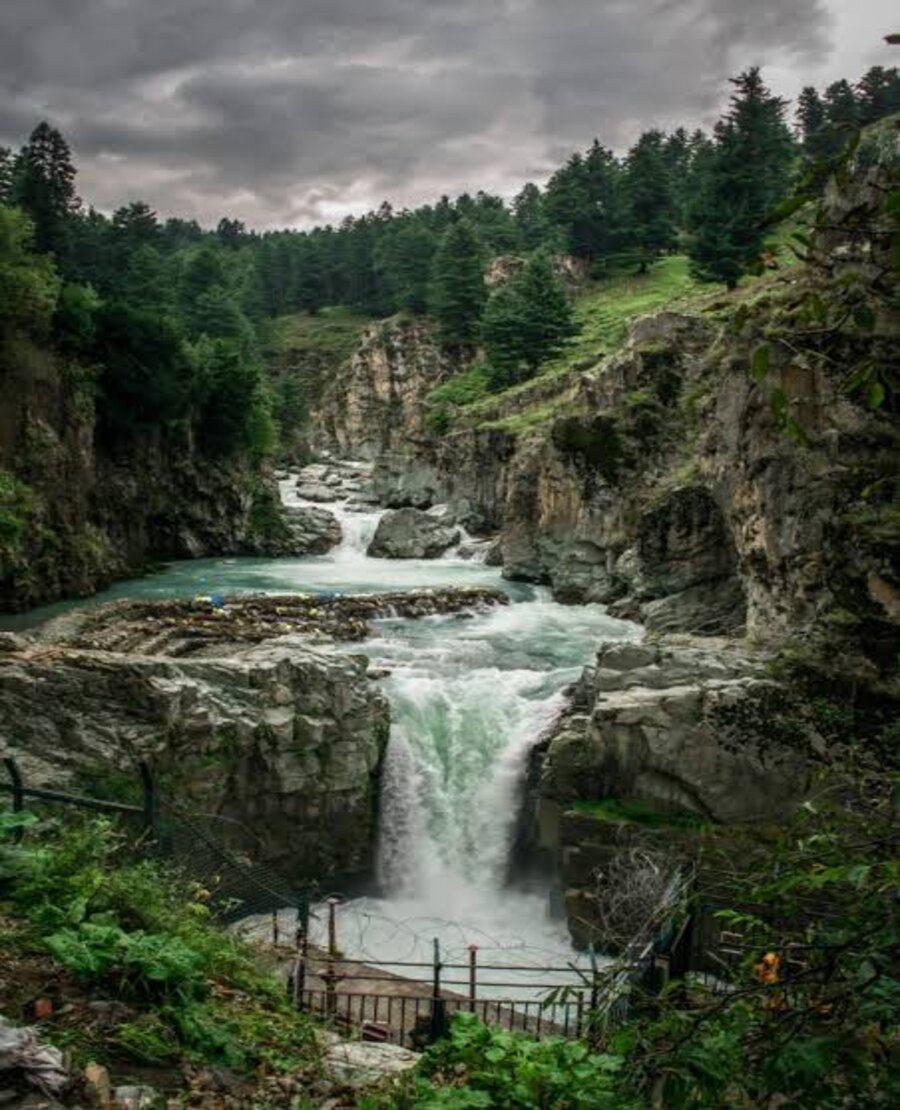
[{"x": 602, "y": 312}]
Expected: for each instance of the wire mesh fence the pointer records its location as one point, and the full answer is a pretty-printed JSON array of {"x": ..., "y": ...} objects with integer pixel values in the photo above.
[{"x": 211, "y": 851}]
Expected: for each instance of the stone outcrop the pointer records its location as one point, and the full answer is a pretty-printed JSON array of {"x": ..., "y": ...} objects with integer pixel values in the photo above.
[
  {"x": 695, "y": 727},
  {"x": 313, "y": 531},
  {"x": 412, "y": 534},
  {"x": 286, "y": 741},
  {"x": 238, "y": 708},
  {"x": 378, "y": 403},
  {"x": 665, "y": 479}
]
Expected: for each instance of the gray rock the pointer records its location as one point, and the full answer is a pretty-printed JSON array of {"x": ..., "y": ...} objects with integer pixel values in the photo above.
[
  {"x": 282, "y": 738},
  {"x": 316, "y": 491},
  {"x": 138, "y": 1098},
  {"x": 412, "y": 534},
  {"x": 690, "y": 725},
  {"x": 360, "y": 1063},
  {"x": 712, "y": 608},
  {"x": 22, "y": 1050},
  {"x": 313, "y": 531}
]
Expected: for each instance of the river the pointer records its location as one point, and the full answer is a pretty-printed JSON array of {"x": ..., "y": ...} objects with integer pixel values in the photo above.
[{"x": 469, "y": 696}]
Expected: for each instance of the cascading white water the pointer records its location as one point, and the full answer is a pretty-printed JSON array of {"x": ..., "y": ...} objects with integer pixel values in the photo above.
[
  {"x": 469, "y": 693},
  {"x": 469, "y": 697}
]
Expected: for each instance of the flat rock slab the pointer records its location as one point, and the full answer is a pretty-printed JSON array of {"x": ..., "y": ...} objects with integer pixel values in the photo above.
[{"x": 201, "y": 627}]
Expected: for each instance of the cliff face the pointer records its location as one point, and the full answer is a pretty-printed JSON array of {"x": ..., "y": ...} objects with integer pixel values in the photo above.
[
  {"x": 74, "y": 515},
  {"x": 250, "y": 712},
  {"x": 377, "y": 404},
  {"x": 666, "y": 479}
]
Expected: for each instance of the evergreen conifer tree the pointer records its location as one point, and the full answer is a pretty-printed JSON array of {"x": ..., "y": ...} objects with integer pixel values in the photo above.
[
  {"x": 650, "y": 201},
  {"x": 842, "y": 115},
  {"x": 527, "y": 320},
  {"x": 812, "y": 125},
  {"x": 878, "y": 94},
  {"x": 6, "y": 175},
  {"x": 44, "y": 185},
  {"x": 458, "y": 292},
  {"x": 528, "y": 210},
  {"x": 743, "y": 177}
]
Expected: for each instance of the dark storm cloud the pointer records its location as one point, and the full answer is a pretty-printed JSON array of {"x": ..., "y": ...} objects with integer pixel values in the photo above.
[{"x": 287, "y": 111}]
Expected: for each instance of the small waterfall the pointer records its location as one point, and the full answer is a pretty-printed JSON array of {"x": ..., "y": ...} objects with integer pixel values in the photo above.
[{"x": 357, "y": 529}]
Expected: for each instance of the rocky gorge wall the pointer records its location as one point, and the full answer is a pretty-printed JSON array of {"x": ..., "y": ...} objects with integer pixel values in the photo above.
[
  {"x": 76, "y": 514},
  {"x": 720, "y": 474},
  {"x": 667, "y": 480}
]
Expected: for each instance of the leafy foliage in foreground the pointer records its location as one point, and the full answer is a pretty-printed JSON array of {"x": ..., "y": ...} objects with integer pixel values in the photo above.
[
  {"x": 822, "y": 1029},
  {"x": 127, "y": 929},
  {"x": 477, "y": 1066},
  {"x": 817, "y": 1027}
]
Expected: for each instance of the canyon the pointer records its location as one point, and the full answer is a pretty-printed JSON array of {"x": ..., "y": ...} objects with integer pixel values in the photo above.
[{"x": 462, "y": 638}]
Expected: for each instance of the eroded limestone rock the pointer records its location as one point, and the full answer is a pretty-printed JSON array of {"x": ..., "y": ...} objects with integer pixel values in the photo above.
[
  {"x": 313, "y": 531},
  {"x": 235, "y": 705}
]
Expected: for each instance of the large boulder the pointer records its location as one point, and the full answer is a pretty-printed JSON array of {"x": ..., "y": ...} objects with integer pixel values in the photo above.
[
  {"x": 317, "y": 491},
  {"x": 412, "y": 534},
  {"x": 313, "y": 531},
  {"x": 696, "y": 727}
]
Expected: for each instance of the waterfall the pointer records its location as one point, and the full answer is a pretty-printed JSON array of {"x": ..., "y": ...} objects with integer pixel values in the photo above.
[
  {"x": 470, "y": 695},
  {"x": 401, "y": 823}
]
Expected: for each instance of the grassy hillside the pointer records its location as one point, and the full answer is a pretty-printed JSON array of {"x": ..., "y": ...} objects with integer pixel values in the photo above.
[
  {"x": 330, "y": 337},
  {"x": 602, "y": 312}
]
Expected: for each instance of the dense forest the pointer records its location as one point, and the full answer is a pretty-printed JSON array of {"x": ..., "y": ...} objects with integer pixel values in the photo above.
[{"x": 169, "y": 316}]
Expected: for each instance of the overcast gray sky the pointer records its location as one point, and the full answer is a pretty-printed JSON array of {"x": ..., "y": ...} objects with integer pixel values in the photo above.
[{"x": 291, "y": 112}]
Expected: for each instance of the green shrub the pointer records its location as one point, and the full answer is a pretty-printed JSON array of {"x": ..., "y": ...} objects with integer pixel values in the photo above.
[
  {"x": 478, "y": 1066},
  {"x": 128, "y": 928},
  {"x": 17, "y": 502}
]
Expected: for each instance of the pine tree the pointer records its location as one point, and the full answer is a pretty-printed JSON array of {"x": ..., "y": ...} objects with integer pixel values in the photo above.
[
  {"x": 842, "y": 115},
  {"x": 403, "y": 259},
  {"x": 812, "y": 125},
  {"x": 135, "y": 225},
  {"x": 527, "y": 320},
  {"x": 584, "y": 201},
  {"x": 528, "y": 210},
  {"x": 309, "y": 276},
  {"x": 458, "y": 292},
  {"x": 6, "y": 175},
  {"x": 44, "y": 185},
  {"x": 742, "y": 178},
  {"x": 878, "y": 94},
  {"x": 677, "y": 151},
  {"x": 231, "y": 233},
  {"x": 648, "y": 189}
]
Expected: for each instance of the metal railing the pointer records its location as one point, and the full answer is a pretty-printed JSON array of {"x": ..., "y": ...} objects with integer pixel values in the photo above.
[{"x": 237, "y": 887}]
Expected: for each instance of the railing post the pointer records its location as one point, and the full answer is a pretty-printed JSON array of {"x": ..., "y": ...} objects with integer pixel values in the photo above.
[
  {"x": 274, "y": 928},
  {"x": 330, "y": 971},
  {"x": 301, "y": 941},
  {"x": 473, "y": 967},
  {"x": 595, "y": 985},
  {"x": 151, "y": 813},
  {"x": 438, "y": 1006},
  {"x": 18, "y": 792}
]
